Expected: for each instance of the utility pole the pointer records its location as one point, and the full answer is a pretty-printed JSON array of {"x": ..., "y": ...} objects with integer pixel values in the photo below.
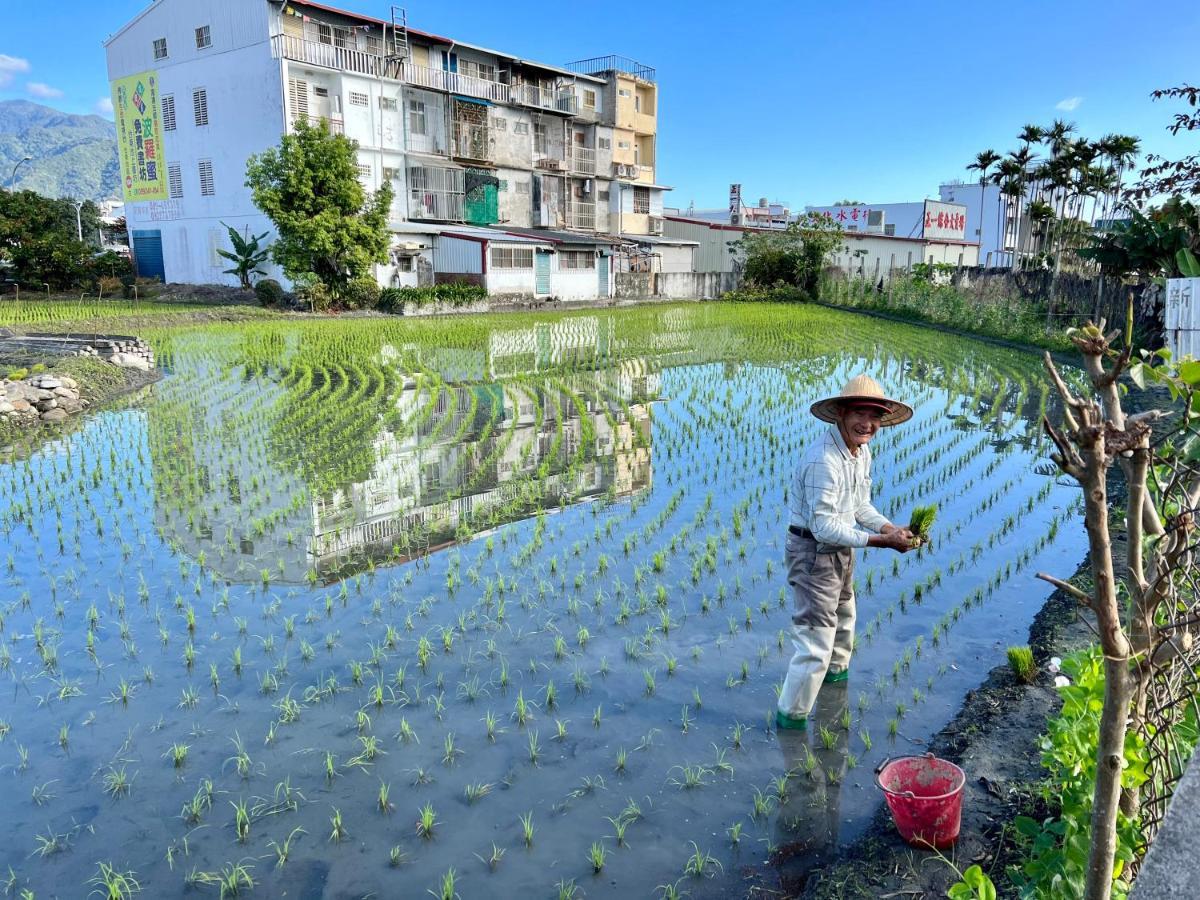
[{"x": 79, "y": 219}]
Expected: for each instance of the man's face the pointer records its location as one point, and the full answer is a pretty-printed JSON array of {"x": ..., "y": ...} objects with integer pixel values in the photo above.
[{"x": 859, "y": 423}]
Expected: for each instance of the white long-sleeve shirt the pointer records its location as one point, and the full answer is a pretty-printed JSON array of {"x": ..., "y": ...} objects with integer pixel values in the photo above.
[{"x": 831, "y": 493}]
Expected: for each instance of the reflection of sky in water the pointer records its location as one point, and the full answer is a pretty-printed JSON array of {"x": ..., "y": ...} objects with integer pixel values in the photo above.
[{"x": 684, "y": 449}]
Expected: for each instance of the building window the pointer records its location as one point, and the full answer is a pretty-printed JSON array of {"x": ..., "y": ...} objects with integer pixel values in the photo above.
[
  {"x": 298, "y": 96},
  {"x": 512, "y": 257},
  {"x": 175, "y": 182},
  {"x": 602, "y": 196},
  {"x": 200, "y": 105},
  {"x": 523, "y": 187},
  {"x": 604, "y": 143},
  {"x": 485, "y": 71},
  {"x": 324, "y": 34},
  {"x": 890, "y": 230},
  {"x": 168, "y": 112},
  {"x": 637, "y": 104},
  {"x": 390, "y": 174},
  {"x": 206, "y": 178},
  {"x": 388, "y": 103},
  {"x": 539, "y": 138},
  {"x": 203, "y": 37},
  {"x": 499, "y": 123},
  {"x": 576, "y": 259},
  {"x": 625, "y": 92},
  {"x": 416, "y": 116},
  {"x": 641, "y": 200},
  {"x": 160, "y": 48},
  {"x": 520, "y": 128},
  {"x": 622, "y": 145},
  {"x": 404, "y": 263},
  {"x": 359, "y": 99},
  {"x": 589, "y": 99}
]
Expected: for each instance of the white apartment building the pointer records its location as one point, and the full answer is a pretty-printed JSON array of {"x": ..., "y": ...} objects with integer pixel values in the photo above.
[{"x": 465, "y": 135}]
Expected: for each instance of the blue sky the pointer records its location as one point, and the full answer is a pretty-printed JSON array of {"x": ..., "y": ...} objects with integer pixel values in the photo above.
[{"x": 804, "y": 102}]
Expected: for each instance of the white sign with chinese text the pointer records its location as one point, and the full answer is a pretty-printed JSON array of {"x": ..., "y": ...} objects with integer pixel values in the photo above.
[
  {"x": 945, "y": 221},
  {"x": 1181, "y": 318}
]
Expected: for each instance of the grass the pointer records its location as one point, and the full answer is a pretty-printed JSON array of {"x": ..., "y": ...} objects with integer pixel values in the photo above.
[
  {"x": 527, "y": 828},
  {"x": 113, "y": 884},
  {"x": 426, "y": 821},
  {"x": 597, "y": 855}
]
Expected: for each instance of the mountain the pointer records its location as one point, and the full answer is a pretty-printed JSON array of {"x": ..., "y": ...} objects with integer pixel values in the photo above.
[{"x": 72, "y": 156}]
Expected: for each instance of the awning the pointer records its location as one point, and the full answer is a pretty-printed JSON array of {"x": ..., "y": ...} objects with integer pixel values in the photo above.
[{"x": 462, "y": 99}]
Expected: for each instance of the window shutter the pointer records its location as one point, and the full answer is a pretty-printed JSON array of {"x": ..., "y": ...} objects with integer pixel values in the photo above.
[
  {"x": 168, "y": 112},
  {"x": 206, "y": 178},
  {"x": 298, "y": 98},
  {"x": 200, "y": 105},
  {"x": 175, "y": 182}
]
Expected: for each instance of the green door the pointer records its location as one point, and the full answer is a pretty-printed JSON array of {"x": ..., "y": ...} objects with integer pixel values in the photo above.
[{"x": 541, "y": 273}]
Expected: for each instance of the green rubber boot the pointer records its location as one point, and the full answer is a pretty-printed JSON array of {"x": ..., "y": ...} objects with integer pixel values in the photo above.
[
  {"x": 837, "y": 677},
  {"x": 783, "y": 720}
]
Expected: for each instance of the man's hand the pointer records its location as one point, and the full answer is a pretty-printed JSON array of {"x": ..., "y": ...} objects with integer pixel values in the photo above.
[{"x": 893, "y": 538}]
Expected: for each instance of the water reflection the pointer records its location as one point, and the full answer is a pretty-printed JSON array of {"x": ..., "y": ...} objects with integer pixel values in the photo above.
[
  {"x": 806, "y": 827},
  {"x": 448, "y": 460}
]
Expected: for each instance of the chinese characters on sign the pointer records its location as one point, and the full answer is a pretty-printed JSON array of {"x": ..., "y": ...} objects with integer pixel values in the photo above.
[
  {"x": 137, "y": 113},
  {"x": 851, "y": 214},
  {"x": 945, "y": 221}
]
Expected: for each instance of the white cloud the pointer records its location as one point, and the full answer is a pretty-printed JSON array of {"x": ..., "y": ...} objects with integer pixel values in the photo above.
[
  {"x": 42, "y": 91},
  {"x": 104, "y": 106},
  {"x": 1068, "y": 104},
  {"x": 10, "y": 66}
]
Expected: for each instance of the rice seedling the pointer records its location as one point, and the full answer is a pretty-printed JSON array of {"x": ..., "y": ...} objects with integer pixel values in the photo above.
[
  {"x": 116, "y": 783},
  {"x": 177, "y": 753},
  {"x": 699, "y": 863},
  {"x": 283, "y": 851},
  {"x": 534, "y": 748},
  {"x": 113, "y": 884},
  {"x": 426, "y": 820},
  {"x": 1020, "y": 661},
  {"x": 527, "y": 828},
  {"x": 474, "y": 792},
  {"x": 597, "y": 856},
  {"x": 622, "y": 759},
  {"x": 337, "y": 832},
  {"x": 241, "y": 819}
]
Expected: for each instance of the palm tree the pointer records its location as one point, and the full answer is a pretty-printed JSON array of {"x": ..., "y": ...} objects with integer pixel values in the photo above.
[
  {"x": 1008, "y": 175},
  {"x": 1023, "y": 158},
  {"x": 984, "y": 160}
]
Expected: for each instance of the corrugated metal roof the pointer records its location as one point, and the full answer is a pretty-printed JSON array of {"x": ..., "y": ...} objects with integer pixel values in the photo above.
[{"x": 559, "y": 237}]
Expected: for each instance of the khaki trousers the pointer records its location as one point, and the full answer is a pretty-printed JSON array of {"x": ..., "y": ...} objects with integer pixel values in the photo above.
[{"x": 822, "y": 621}]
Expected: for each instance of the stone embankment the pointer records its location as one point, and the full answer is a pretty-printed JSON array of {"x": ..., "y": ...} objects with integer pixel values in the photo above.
[
  {"x": 122, "y": 350},
  {"x": 49, "y": 398}
]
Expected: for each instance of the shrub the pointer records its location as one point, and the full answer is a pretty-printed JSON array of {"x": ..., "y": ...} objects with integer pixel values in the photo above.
[
  {"x": 142, "y": 288},
  {"x": 361, "y": 293},
  {"x": 109, "y": 285},
  {"x": 780, "y": 293},
  {"x": 1020, "y": 660},
  {"x": 269, "y": 292},
  {"x": 458, "y": 293},
  {"x": 37, "y": 369},
  {"x": 17, "y": 374},
  {"x": 111, "y": 264}
]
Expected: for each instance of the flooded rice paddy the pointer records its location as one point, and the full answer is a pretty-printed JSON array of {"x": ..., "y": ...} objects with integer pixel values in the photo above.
[{"x": 490, "y": 607}]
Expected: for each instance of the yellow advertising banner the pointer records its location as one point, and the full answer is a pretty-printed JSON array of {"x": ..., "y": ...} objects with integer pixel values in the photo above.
[{"x": 138, "y": 116}]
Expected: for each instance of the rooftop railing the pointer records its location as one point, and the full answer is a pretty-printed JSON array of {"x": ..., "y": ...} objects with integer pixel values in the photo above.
[{"x": 598, "y": 64}]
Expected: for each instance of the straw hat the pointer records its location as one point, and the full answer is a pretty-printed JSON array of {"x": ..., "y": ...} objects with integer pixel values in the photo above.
[{"x": 863, "y": 389}]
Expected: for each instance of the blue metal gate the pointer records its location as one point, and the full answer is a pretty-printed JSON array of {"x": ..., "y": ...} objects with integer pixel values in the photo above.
[
  {"x": 541, "y": 273},
  {"x": 148, "y": 255},
  {"x": 602, "y": 266}
]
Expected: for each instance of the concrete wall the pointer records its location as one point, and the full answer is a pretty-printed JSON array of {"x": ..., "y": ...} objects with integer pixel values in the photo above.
[{"x": 677, "y": 285}]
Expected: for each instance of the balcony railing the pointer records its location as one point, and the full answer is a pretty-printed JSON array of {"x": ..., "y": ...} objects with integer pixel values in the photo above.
[
  {"x": 471, "y": 141},
  {"x": 435, "y": 193},
  {"x": 583, "y": 160},
  {"x": 581, "y": 214},
  {"x": 336, "y": 126},
  {"x": 456, "y": 83},
  {"x": 544, "y": 98},
  {"x": 329, "y": 56}
]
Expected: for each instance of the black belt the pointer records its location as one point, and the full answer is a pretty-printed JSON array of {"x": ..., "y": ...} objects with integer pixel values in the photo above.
[{"x": 801, "y": 532}]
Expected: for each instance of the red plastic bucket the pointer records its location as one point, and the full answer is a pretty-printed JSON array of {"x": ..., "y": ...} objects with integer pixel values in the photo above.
[{"x": 924, "y": 794}]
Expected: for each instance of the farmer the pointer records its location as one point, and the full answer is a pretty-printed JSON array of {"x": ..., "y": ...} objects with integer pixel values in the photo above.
[{"x": 830, "y": 496}]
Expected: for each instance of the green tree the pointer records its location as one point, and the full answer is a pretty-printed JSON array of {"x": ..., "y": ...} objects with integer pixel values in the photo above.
[
  {"x": 327, "y": 222},
  {"x": 247, "y": 255},
  {"x": 39, "y": 239},
  {"x": 1148, "y": 245},
  {"x": 794, "y": 256}
]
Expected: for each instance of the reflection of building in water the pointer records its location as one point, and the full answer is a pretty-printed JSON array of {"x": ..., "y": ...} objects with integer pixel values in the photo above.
[{"x": 488, "y": 454}]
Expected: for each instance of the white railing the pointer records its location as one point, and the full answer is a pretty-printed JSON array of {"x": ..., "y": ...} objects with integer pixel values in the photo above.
[
  {"x": 581, "y": 214},
  {"x": 435, "y": 193},
  {"x": 583, "y": 160},
  {"x": 471, "y": 140},
  {"x": 545, "y": 98},
  {"x": 456, "y": 83},
  {"x": 336, "y": 126},
  {"x": 328, "y": 56}
]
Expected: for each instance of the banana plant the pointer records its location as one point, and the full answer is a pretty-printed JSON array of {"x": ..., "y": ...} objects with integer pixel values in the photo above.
[{"x": 247, "y": 255}]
